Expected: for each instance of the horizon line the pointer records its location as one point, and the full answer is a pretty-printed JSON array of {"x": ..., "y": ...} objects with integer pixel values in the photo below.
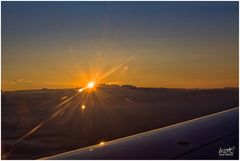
[{"x": 68, "y": 88}]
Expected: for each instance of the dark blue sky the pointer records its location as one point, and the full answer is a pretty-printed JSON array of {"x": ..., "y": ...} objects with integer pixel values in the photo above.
[{"x": 139, "y": 19}]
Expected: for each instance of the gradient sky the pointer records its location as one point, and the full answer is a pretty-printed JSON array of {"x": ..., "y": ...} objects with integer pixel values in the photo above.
[{"x": 173, "y": 44}]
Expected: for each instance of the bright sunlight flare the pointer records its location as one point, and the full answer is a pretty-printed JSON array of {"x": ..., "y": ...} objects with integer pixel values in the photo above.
[
  {"x": 90, "y": 84},
  {"x": 102, "y": 143},
  {"x": 83, "y": 107}
]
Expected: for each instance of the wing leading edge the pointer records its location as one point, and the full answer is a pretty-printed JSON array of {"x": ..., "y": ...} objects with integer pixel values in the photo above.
[{"x": 201, "y": 138}]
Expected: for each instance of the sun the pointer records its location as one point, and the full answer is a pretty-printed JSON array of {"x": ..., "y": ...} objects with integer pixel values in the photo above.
[{"x": 90, "y": 85}]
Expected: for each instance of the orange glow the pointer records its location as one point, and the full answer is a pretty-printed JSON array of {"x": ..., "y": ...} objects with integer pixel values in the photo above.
[
  {"x": 83, "y": 107},
  {"x": 90, "y": 85},
  {"x": 102, "y": 143}
]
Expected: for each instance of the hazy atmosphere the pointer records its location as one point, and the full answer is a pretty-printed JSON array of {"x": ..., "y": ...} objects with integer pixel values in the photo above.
[{"x": 148, "y": 44}]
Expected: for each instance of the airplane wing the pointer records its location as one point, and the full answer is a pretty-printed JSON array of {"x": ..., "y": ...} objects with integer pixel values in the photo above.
[{"x": 214, "y": 136}]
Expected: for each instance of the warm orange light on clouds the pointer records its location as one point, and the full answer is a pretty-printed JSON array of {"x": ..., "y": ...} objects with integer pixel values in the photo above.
[{"x": 102, "y": 143}]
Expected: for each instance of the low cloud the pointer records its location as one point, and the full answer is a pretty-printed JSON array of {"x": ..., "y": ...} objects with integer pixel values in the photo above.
[{"x": 19, "y": 81}]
